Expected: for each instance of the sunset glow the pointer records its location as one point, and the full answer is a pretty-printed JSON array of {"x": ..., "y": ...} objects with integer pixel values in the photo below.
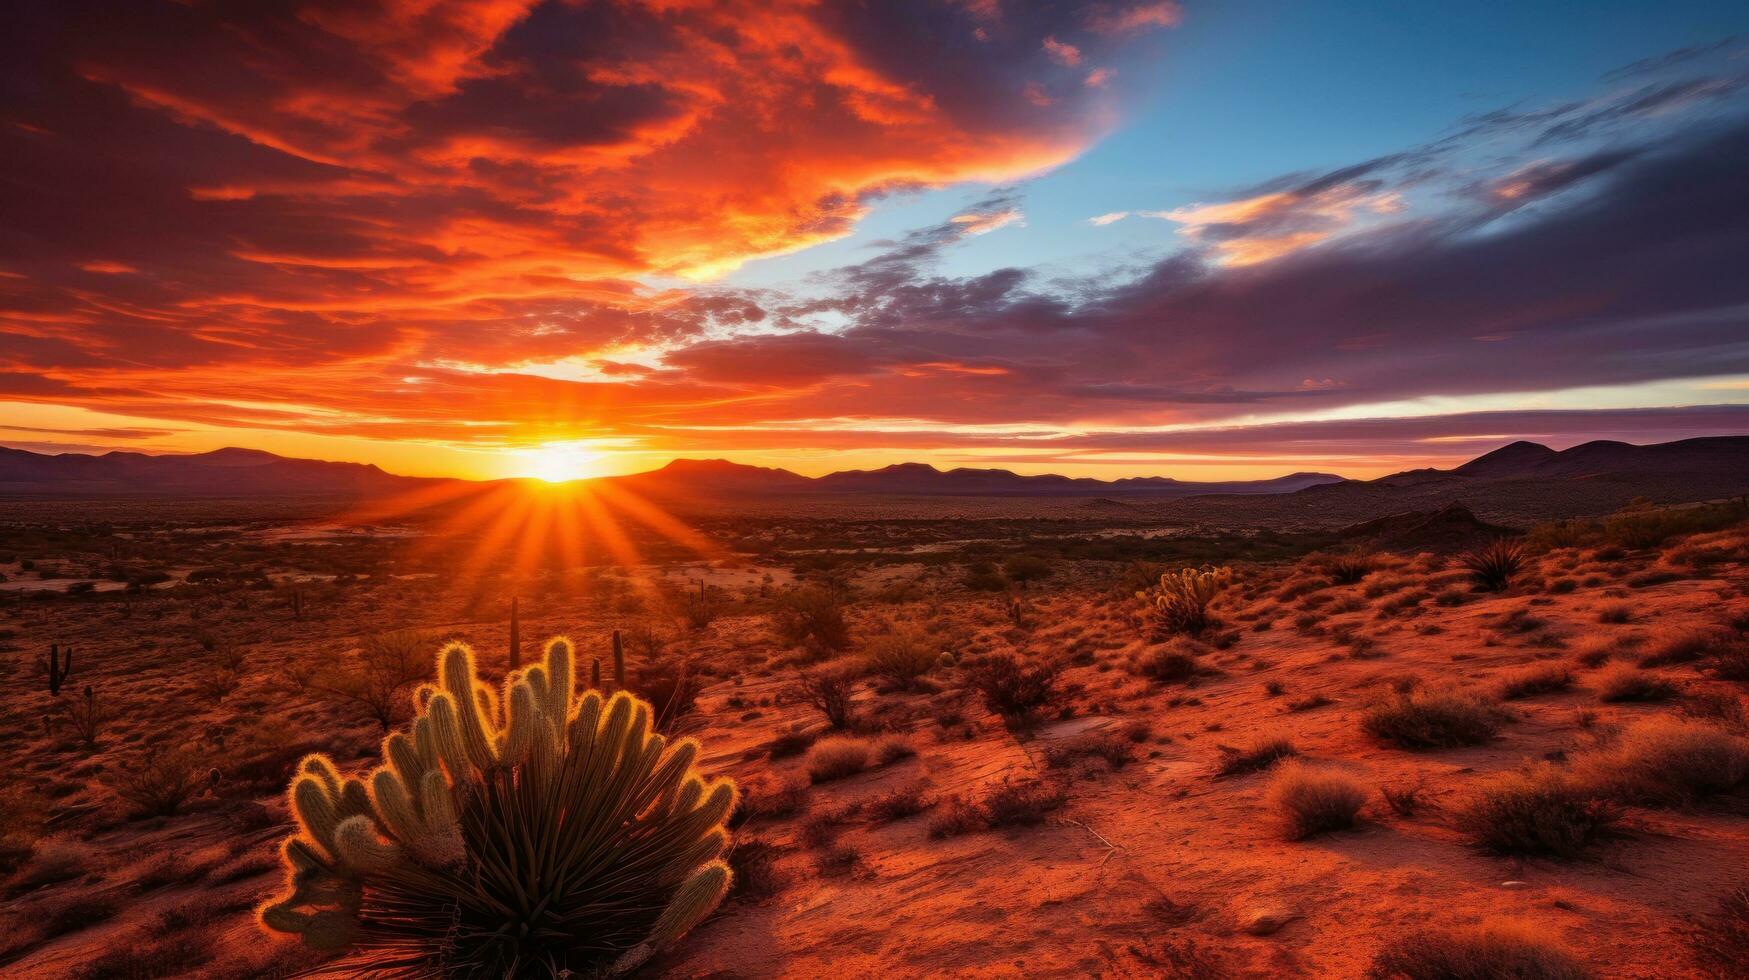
[{"x": 450, "y": 238}]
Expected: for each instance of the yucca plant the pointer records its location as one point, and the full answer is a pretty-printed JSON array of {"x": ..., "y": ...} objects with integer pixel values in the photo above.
[
  {"x": 534, "y": 834},
  {"x": 1495, "y": 565},
  {"x": 1180, "y": 602}
]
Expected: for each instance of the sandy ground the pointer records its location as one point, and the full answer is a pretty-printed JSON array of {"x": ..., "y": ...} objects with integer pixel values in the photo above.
[{"x": 1156, "y": 867}]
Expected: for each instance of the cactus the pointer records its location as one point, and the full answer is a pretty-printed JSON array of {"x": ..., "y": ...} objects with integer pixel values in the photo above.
[
  {"x": 595, "y": 674},
  {"x": 515, "y": 634},
  {"x": 1179, "y": 604},
  {"x": 532, "y": 830},
  {"x": 59, "y": 669}
]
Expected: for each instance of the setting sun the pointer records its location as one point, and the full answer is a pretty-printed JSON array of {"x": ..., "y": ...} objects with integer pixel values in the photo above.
[{"x": 558, "y": 462}]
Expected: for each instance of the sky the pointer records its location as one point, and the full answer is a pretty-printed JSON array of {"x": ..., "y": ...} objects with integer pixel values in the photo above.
[{"x": 1225, "y": 240}]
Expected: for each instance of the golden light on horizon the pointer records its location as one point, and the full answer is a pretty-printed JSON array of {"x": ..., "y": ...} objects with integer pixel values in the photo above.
[{"x": 558, "y": 462}]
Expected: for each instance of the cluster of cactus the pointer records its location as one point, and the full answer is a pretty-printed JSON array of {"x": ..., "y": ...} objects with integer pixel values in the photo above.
[
  {"x": 1180, "y": 602},
  {"x": 533, "y": 833}
]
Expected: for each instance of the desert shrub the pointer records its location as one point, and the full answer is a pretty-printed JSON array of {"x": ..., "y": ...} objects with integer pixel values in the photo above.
[
  {"x": 906, "y": 801},
  {"x": 1721, "y": 940},
  {"x": 1026, "y": 568},
  {"x": 1012, "y": 689},
  {"x": 1621, "y": 682},
  {"x": 1731, "y": 663},
  {"x": 1539, "y": 811},
  {"x": 1113, "y": 747},
  {"x": 902, "y": 656},
  {"x": 1493, "y": 951},
  {"x": 813, "y": 614},
  {"x": 1666, "y": 761},
  {"x": 1313, "y": 801},
  {"x": 1615, "y": 613},
  {"x": 1642, "y": 525},
  {"x": 423, "y": 863},
  {"x": 1259, "y": 755},
  {"x": 1021, "y": 802},
  {"x": 836, "y": 758},
  {"x": 671, "y": 688},
  {"x": 753, "y": 867},
  {"x": 1179, "y": 602},
  {"x": 159, "y": 782},
  {"x": 791, "y": 743},
  {"x": 829, "y": 691},
  {"x": 1493, "y": 566},
  {"x": 1683, "y": 647},
  {"x": 1432, "y": 720},
  {"x": 1404, "y": 801},
  {"x": 375, "y": 678},
  {"x": 1532, "y": 681},
  {"x": 1350, "y": 568},
  {"x": 889, "y": 749},
  {"x": 1173, "y": 663}
]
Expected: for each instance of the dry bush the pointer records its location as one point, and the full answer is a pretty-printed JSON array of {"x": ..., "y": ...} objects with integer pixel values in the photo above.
[
  {"x": 813, "y": 614},
  {"x": 1436, "y": 719},
  {"x": 1350, "y": 568},
  {"x": 791, "y": 743},
  {"x": 1113, "y": 747},
  {"x": 1313, "y": 801},
  {"x": 836, "y": 758},
  {"x": 1405, "y": 801},
  {"x": 1731, "y": 663},
  {"x": 1721, "y": 940},
  {"x": 1021, "y": 802},
  {"x": 1013, "y": 803},
  {"x": 1262, "y": 753},
  {"x": 1494, "y": 566},
  {"x": 1538, "y": 811},
  {"x": 829, "y": 690},
  {"x": 1619, "y": 683},
  {"x": 162, "y": 780},
  {"x": 889, "y": 749},
  {"x": 906, "y": 801},
  {"x": 1684, "y": 647},
  {"x": 1492, "y": 951},
  {"x": 1595, "y": 651},
  {"x": 1012, "y": 689},
  {"x": 1666, "y": 761},
  {"x": 1172, "y": 663},
  {"x": 753, "y": 864},
  {"x": 902, "y": 656},
  {"x": 1532, "y": 681},
  {"x": 671, "y": 687},
  {"x": 1615, "y": 613},
  {"x": 376, "y": 677}
]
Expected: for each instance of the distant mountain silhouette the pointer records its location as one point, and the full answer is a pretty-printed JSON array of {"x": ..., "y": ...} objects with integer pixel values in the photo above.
[
  {"x": 220, "y": 473},
  {"x": 1714, "y": 466}
]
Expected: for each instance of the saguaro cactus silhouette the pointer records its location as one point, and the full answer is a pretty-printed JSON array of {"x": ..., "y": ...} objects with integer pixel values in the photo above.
[
  {"x": 533, "y": 830},
  {"x": 515, "y": 634},
  {"x": 59, "y": 668}
]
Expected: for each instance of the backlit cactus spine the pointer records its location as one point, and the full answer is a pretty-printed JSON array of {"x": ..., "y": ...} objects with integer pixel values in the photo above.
[{"x": 532, "y": 827}]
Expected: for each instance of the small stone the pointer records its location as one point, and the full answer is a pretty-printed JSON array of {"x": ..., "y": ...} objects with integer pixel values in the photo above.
[
  {"x": 1263, "y": 922},
  {"x": 1515, "y": 884}
]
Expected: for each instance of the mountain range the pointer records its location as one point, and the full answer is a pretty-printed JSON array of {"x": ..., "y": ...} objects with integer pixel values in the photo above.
[{"x": 1718, "y": 464}]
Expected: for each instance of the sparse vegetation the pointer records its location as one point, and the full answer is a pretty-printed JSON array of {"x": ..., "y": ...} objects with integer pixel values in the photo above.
[
  {"x": 1438, "y": 719},
  {"x": 1619, "y": 683},
  {"x": 1534, "y": 681},
  {"x": 1179, "y": 602},
  {"x": 1259, "y": 755},
  {"x": 1538, "y": 811},
  {"x": 1012, "y": 689},
  {"x": 836, "y": 758},
  {"x": 1493, "y": 951},
  {"x": 902, "y": 656},
  {"x": 1311, "y": 800},
  {"x": 1494, "y": 566}
]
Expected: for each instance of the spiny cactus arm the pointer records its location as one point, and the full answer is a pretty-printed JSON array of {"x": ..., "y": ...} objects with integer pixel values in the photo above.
[
  {"x": 394, "y": 805},
  {"x": 442, "y": 844},
  {"x": 561, "y": 667},
  {"x": 404, "y": 759},
  {"x": 316, "y": 812},
  {"x": 447, "y": 740},
  {"x": 361, "y": 850},
  {"x": 696, "y": 899},
  {"x": 526, "y": 725},
  {"x": 457, "y": 677}
]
